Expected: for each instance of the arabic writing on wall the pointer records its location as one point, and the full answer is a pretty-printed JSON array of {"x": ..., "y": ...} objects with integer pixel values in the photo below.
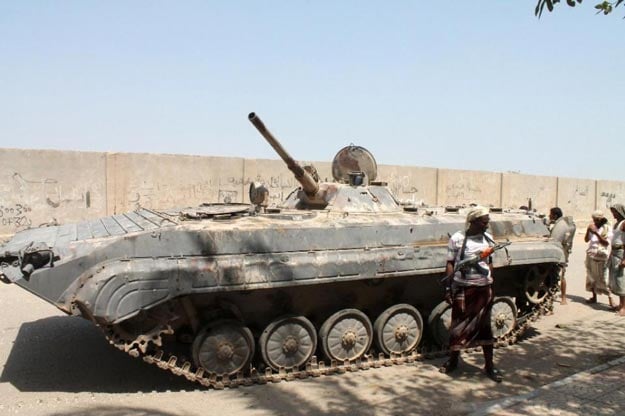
[{"x": 15, "y": 216}]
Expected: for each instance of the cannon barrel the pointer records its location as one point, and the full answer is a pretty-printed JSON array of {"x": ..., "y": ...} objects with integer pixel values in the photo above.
[{"x": 309, "y": 185}]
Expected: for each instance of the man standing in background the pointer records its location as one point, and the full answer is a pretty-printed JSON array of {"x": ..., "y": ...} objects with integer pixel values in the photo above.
[{"x": 563, "y": 230}]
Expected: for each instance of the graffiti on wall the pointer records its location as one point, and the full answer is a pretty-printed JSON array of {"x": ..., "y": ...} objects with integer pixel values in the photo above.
[
  {"x": 52, "y": 192},
  {"x": 226, "y": 189},
  {"x": 15, "y": 216},
  {"x": 279, "y": 187},
  {"x": 463, "y": 193},
  {"x": 607, "y": 199},
  {"x": 404, "y": 189},
  {"x": 168, "y": 195},
  {"x": 579, "y": 200},
  {"x": 30, "y": 200}
]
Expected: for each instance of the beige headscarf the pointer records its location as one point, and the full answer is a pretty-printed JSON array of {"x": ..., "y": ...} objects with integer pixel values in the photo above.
[
  {"x": 619, "y": 208},
  {"x": 475, "y": 213},
  {"x": 598, "y": 215},
  {"x": 603, "y": 230}
]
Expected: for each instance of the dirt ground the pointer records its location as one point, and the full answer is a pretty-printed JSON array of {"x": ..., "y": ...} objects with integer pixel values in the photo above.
[{"x": 57, "y": 365}]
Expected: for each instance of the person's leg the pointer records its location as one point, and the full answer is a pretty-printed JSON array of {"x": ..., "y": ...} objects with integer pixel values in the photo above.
[
  {"x": 452, "y": 363},
  {"x": 563, "y": 285},
  {"x": 488, "y": 357},
  {"x": 563, "y": 291},
  {"x": 590, "y": 280},
  {"x": 489, "y": 366},
  {"x": 605, "y": 286},
  {"x": 621, "y": 306}
]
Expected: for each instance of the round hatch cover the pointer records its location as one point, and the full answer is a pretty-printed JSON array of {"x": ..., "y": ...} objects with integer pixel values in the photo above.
[{"x": 353, "y": 159}]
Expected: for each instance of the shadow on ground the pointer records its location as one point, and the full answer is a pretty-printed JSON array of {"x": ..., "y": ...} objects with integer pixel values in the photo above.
[
  {"x": 114, "y": 411},
  {"x": 601, "y": 305},
  {"x": 71, "y": 355},
  {"x": 540, "y": 358}
]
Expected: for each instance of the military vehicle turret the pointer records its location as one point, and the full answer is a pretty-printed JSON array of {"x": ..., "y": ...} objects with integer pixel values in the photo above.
[{"x": 229, "y": 294}]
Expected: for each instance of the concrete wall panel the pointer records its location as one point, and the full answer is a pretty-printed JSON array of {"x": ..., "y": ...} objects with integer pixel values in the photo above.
[
  {"x": 517, "y": 189},
  {"x": 409, "y": 183},
  {"x": 463, "y": 187},
  {"x": 609, "y": 193},
  {"x": 166, "y": 181},
  {"x": 576, "y": 197},
  {"x": 37, "y": 186}
]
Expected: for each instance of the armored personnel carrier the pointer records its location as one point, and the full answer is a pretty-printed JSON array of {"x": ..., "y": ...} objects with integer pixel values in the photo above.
[{"x": 229, "y": 294}]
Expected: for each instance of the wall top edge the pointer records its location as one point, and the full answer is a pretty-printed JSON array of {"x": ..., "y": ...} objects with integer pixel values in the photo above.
[{"x": 303, "y": 161}]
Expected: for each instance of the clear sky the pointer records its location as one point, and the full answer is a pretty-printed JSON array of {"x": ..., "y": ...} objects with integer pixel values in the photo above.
[{"x": 463, "y": 84}]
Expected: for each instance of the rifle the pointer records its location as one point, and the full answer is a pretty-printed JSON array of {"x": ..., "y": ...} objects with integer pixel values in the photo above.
[{"x": 470, "y": 261}]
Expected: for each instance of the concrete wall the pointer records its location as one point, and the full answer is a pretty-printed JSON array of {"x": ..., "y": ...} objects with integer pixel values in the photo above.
[
  {"x": 166, "y": 181},
  {"x": 40, "y": 186},
  {"x": 517, "y": 190},
  {"x": 410, "y": 184},
  {"x": 576, "y": 196},
  {"x": 608, "y": 193},
  {"x": 458, "y": 187}
]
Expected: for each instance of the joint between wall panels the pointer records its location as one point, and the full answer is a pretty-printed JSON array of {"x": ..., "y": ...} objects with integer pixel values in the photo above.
[
  {"x": 501, "y": 190},
  {"x": 106, "y": 184},
  {"x": 242, "y": 199},
  {"x": 436, "y": 198}
]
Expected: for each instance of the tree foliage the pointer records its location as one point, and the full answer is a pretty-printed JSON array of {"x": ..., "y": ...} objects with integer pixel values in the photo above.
[{"x": 605, "y": 7}]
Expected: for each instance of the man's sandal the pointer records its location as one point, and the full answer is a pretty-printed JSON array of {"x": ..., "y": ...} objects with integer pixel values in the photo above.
[
  {"x": 448, "y": 367},
  {"x": 494, "y": 375}
]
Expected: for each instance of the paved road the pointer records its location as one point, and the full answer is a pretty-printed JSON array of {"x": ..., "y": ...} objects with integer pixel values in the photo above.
[{"x": 56, "y": 365}]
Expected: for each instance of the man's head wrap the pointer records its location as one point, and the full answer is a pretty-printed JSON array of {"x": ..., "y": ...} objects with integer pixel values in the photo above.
[
  {"x": 475, "y": 213},
  {"x": 598, "y": 215},
  {"x": 619, "y": 208}
]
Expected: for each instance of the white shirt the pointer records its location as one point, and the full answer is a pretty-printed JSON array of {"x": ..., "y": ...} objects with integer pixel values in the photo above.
[
  {"x": 476, "y": 274},
  {"x": 595, "y": 246},
  {"x": 618, "y": 237}
]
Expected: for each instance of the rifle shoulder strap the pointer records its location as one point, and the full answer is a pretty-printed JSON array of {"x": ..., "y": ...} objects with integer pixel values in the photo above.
[
  {"x": 462, "y": 249},
  {"x": 489, "y": 240}
]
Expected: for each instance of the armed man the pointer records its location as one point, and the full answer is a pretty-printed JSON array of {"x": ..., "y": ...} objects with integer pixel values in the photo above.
[{"x": 470, "y": 290}]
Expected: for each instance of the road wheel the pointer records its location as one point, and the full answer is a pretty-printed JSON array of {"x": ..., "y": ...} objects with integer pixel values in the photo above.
[
  {"x": 536, "y": 284},
  {"x": 346, "y": 335},
  {"x": 439, "y": 323},
  {"x": 288, "y": 342},
  {"x": 502, "y": 317},
  {"x": 224, "y": 347},
  {"x": 398, "y": 329}
]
